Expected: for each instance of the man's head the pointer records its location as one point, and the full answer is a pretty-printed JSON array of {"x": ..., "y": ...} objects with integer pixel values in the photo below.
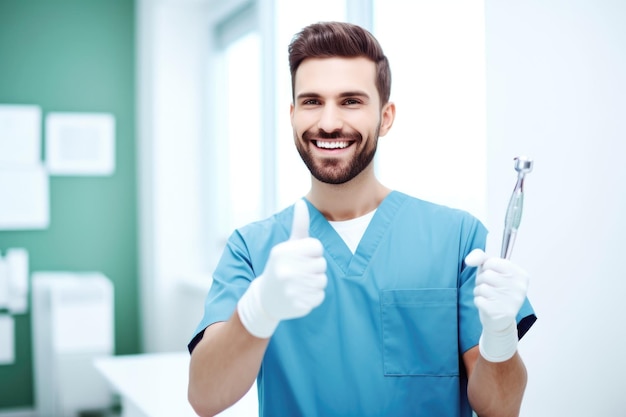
[
  {"x": 341, "y": 82},
  {"x": 340, "y": 39}
]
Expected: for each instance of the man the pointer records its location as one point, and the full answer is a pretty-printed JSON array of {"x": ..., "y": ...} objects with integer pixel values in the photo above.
[{"x": 358, "y": 300}]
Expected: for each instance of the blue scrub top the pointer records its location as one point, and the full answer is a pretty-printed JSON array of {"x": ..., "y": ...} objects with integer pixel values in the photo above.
[{"x": 398, "y": 314}]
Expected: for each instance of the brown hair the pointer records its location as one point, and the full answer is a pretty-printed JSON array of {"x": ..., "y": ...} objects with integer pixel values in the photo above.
[{"x": 331, "y": 39}]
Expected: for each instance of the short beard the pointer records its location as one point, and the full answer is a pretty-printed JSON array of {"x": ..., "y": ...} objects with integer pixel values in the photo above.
[{"x": 328, "y": 171}]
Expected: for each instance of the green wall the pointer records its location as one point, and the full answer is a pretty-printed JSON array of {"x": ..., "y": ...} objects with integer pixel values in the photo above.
[{"x": 76, "y": 56}]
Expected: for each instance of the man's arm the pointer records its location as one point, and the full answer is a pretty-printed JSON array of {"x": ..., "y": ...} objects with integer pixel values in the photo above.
[
  {"x": 495, "y": 388},
  {"x": 496, "y": 374},
  {"x": 223, "y": 367},
  {"x": 226, "y": 361}
]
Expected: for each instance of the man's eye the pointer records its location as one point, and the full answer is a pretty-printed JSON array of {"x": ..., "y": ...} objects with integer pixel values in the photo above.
[
  {"x": 311, "y": 101},
  {"x": 352, "y": 101}
]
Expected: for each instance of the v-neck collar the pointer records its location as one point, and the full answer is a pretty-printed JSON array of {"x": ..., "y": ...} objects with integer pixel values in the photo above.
[{"x": 337, "y": 250}]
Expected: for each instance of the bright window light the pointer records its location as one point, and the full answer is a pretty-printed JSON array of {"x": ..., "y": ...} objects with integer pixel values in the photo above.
[{"x": 243, "y": 131}]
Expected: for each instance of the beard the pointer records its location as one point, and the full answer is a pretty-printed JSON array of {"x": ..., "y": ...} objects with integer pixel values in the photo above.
[{"x": 332, "y": 170}]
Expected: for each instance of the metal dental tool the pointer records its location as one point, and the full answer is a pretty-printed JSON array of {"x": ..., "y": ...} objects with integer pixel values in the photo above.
[{"x": 523, "y": 166}]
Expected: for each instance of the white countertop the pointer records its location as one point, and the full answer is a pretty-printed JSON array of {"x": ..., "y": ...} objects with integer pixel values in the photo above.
[{"x": 155, "y": 385}]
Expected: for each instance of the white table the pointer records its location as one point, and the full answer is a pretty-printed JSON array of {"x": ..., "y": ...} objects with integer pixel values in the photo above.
[{"x": 155, "y": 385}]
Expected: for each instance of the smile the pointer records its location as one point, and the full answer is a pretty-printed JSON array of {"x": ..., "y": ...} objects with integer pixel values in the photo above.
[{"x": 332, "y": 144}]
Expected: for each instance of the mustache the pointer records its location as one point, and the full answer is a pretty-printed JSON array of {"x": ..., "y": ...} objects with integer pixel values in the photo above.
[{"x": 338, "y": 134}]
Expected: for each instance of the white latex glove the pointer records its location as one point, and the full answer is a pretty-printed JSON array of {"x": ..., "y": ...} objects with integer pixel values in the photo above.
[
  {"x": 292, "y": 283},
  {"x": 500, "y": 291}
]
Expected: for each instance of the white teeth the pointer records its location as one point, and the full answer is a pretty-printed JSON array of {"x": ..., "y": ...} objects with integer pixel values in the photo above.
[{"x": 332, "y": 145}]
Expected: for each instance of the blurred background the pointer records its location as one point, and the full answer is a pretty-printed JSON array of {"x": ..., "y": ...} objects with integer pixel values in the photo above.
[{"x": 197, "y": 93}]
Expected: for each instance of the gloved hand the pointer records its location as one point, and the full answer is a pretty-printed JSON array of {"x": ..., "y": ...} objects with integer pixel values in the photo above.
[
  {"x": 500, "y": 291},
  {"x": 292, "y": 283}
]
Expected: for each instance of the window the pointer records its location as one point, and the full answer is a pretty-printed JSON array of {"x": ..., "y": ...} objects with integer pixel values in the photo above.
[
  {"x": 234, "y": 182},
  {"x": 238, "y": 123}
]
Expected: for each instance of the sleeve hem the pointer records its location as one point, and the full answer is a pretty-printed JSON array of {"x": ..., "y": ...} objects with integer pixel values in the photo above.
[
  {"x": 525, "y": 324},
  {"x": 196, "y": 339}
]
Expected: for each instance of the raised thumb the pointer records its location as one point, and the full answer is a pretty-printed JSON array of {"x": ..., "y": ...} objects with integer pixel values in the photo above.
[{"x": 300, "y": 226}]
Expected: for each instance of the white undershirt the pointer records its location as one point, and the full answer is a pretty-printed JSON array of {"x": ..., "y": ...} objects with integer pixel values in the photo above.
[{"x": 351, "y": 231}]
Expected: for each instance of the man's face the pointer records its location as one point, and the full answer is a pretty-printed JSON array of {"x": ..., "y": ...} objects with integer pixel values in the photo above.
[{"x": 336, "y": 117}]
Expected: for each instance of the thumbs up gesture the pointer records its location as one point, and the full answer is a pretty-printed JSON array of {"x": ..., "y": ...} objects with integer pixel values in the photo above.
[{"x": 292, "y": 283}]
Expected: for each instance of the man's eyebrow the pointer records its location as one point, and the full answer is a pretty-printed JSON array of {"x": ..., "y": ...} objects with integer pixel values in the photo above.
[
  {"x": 344, "y": 94},
  {"x": 355, "y": 93},
  {"x": 308, "y": 95}
]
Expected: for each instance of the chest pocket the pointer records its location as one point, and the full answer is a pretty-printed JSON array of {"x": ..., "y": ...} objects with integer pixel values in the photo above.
[{"x": 420, "y": 332}]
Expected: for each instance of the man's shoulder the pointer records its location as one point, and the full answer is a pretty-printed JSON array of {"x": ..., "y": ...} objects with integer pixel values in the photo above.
[
  {"x": 423, "y": 207},
  {"x": 269, "y": 229}
]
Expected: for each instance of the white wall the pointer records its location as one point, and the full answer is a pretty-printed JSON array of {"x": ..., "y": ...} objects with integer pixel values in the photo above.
[
  {"x": 436, "y": 149},
  {"x": 556, "y": 90}
]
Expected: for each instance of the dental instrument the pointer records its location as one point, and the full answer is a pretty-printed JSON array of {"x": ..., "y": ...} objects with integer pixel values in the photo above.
[{"x": 523, "y": 165}]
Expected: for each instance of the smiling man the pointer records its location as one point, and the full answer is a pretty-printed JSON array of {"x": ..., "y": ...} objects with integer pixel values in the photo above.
[
  {"x": 337, "y": 119},
  {"x": 358, "y": 300}
]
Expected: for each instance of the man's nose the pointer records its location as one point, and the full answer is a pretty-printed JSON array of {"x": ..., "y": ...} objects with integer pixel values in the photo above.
[{"x": 330, "y": 119}]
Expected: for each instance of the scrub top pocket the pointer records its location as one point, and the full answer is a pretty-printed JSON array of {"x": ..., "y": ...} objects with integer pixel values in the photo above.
[{"x": 420, "y": 332}]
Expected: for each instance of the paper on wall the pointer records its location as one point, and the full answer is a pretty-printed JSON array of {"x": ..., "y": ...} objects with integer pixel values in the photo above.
[
  {"x": 80, "y": 143},
  {"x": 20, "y": 135},
  {"x": 24, "y": 198}
]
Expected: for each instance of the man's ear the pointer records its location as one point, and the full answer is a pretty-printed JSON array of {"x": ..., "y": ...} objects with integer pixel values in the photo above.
[
  {"x": 291, "y": 110},
  {"x": 387, "y": 116}
]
